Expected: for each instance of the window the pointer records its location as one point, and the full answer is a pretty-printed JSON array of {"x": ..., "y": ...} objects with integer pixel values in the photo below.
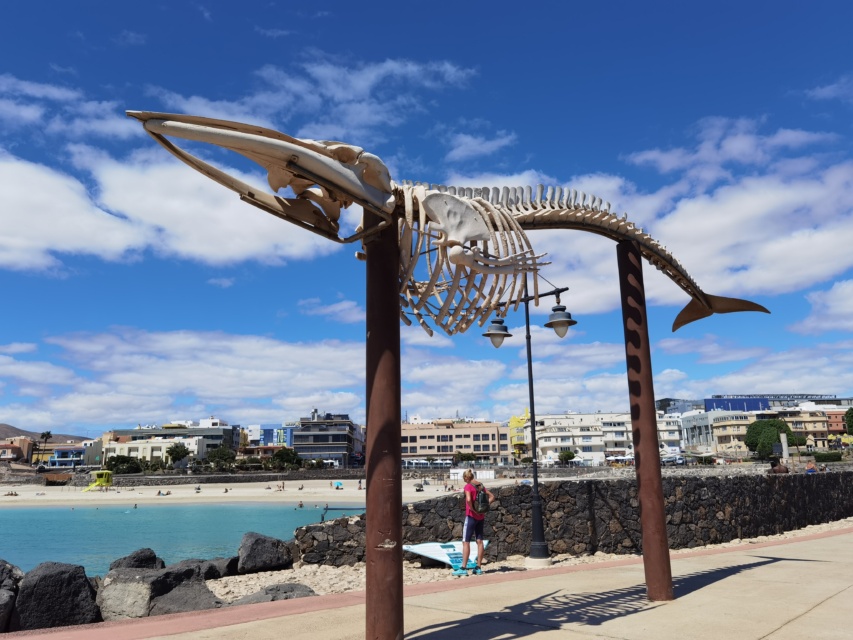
[
  {"x": 586, "y": 449},
  {"x": 503, "y": 436},
  {"x": 504, "y": 447},
  {"x": 404, "y": 449},
  {"x": 586, "y": 439},
  {"x": 476, "y": 447},
  {"x": 476, "y": 437}
]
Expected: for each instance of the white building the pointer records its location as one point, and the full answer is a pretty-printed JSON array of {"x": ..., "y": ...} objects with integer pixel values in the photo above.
[
  {"x": 616, "y": 428},
  {"x": 669, "y": 433},
  {"x": 580, "y": 433},
  {"x": 697, "y": 432}
]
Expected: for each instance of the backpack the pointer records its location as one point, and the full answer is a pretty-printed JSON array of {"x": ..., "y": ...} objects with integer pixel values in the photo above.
[{"x": 481, "y": 499}]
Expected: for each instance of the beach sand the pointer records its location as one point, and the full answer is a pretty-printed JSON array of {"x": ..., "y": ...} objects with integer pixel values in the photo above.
[{"x": 314, "y": 492}]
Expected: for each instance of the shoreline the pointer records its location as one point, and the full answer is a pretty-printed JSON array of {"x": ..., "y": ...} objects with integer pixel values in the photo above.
[{"x": 319, "y": 492}]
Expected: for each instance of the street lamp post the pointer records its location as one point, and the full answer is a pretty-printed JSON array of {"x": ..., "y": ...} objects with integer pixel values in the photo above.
[{"x": 560, "y": 321}]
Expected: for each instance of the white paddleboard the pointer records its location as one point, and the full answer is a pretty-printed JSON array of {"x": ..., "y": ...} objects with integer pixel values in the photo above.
[{"x": 446, "y": 552}]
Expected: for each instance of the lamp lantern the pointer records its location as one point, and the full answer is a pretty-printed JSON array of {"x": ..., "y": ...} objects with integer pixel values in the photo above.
[
  {"x": 497, "y": 332},
  {"x": 560, "y": 320}
]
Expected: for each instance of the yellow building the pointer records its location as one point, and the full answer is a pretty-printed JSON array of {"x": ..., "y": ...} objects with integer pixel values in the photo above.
[
  {"x": 516, "y": 433},
  {"x": 812, "y": 425},
  {"x": 729, "y": 432}
]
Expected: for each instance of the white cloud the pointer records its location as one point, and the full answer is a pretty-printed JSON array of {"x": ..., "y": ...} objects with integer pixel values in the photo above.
[
  {"x": 64, "y": 70},
  {"x": 414, "y": 336},
  {"x": 710, "y": 349},
  {"x": 62, "y": 111},
  {"x": 35, "y": 372},
  {"x": 143, "y": 202},
  {"x": 10, "y": 85},
  {"x": 90, "y": 118},
  {"x": 346, "y": 311},
  {"x": 47, "y": 212},
  {"x": 223, "y": 283},
  {"x": 439, "y": 386},
  {"x": 187, "y": 215},
  {"x": 732, "y": 237},
  {"x": 842, "y": 90},
  {"x": 18, "y": 347},
  {"x": 131, "y": 376},
  {"x": 723, "y": 141},
  {"x": 130, "y": 38},
  {"x": 464, "y": 146},
  {"x": 342, "y": 101},
  {"x": 832, "y": 310},
  {"x": 15, "y": 112},
  {"x": 273, "y": 33}
]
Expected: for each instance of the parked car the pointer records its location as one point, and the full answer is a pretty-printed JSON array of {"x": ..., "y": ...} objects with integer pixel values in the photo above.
[{"x": 672, "y": 460}]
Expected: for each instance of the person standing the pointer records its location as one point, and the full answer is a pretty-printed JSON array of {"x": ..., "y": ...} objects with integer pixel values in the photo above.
[{"x": 472, "y": 527}]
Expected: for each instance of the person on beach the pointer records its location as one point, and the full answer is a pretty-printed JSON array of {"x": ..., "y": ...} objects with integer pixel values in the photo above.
[
  {"x": 777, "y": 467},
  {"x": 472, "y": 528}
]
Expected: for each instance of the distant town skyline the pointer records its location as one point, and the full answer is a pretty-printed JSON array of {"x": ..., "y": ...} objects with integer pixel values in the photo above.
[{"x": 134, "y": 290}]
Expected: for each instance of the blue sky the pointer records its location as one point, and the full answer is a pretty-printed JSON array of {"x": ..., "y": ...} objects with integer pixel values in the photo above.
[{"x": 134, "y": 291}]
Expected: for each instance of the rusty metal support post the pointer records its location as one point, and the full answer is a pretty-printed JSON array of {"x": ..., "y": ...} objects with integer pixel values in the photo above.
[
  {"x": 384, "y": 529},
  {"x": 656, "y": 563}
]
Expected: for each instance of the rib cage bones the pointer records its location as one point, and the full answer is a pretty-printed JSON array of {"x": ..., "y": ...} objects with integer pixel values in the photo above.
[{"x": 454, "y": 296}]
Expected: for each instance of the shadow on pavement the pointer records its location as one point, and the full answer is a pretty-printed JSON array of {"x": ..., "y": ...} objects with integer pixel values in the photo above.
[{"x": 553, "y": 610}]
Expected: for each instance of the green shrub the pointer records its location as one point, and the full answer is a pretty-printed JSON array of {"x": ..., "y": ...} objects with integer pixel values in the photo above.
[{"x": 829, "y": 456}]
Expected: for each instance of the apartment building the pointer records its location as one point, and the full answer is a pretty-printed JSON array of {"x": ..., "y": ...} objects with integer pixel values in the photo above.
[
  {"x": 581, "y": 433},
  {"x": 328, "y": 436},
  {"x": 811, "y": 424},
  {"x": 151, "y": 442},
  {"x": 669, "y": 433},
  {"x": 618, "y": 442},
  {"x": 66, "y": 457},
  {"x": 696, "y": 433},
  {"x": 440, "y": 439},
  {"x": 729, "y": 431},
  {"x": 516, "y": 427}
]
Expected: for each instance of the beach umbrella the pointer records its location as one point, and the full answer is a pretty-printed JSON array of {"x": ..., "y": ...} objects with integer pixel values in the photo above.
[{"x": 339, "y": 484}]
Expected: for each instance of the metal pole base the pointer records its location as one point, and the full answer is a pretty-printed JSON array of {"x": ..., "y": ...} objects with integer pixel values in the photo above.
[{"x": 537, "y": 563}]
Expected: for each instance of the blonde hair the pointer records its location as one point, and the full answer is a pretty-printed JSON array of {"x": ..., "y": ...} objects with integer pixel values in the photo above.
[{"x": 468, "y": 475}]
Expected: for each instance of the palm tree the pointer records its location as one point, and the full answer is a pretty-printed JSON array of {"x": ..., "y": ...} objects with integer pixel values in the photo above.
[{"x": 46, "y": 435}]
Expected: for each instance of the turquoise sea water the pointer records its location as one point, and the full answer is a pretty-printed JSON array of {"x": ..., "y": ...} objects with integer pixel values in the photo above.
[{"x": 95, "y": 536}]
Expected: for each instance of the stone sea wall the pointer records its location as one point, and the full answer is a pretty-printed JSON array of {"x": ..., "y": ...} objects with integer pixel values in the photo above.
[{"x": 587, "y": 516}]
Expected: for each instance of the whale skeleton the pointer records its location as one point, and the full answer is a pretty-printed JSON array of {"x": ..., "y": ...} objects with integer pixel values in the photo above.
[{"x": 473, "y": 240}]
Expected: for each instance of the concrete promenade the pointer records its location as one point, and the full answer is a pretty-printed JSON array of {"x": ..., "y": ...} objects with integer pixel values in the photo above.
[{"x": 789, "y": 589}]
